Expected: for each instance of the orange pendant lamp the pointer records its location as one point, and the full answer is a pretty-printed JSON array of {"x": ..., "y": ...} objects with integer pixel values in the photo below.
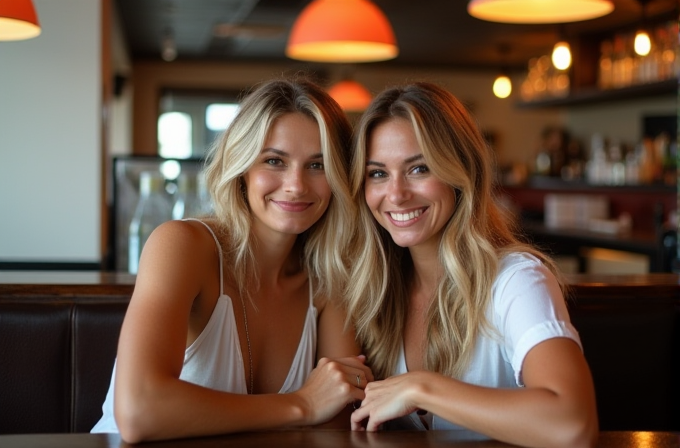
[
  {"x": 341, "y": 31},
  {"x": 18, "y": 20},
  {"x": 350, "y": 95},
  {"x": 538, "y": 11}
]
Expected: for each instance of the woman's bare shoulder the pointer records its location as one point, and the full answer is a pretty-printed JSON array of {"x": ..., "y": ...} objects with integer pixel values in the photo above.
[
  {"x": 178, "y": 250},
  {"x": 184, "y": 233}
]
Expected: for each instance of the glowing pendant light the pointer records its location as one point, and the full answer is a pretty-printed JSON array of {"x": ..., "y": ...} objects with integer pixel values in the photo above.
[
  {"x": 538, "y": 11},
  {"x": 18, "y": 20},
  {"x": 642, "y": 43},
  {"x": 342, "y": 31},
  {"x": 502, "y": 86},
  {"x": 350, "y": 95},
  {"x": 561, "y": 55}
]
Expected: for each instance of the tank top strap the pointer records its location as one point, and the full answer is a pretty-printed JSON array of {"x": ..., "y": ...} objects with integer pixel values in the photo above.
[{"x": 219, "y": 250}]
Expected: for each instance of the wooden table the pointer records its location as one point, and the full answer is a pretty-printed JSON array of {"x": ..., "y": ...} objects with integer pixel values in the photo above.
[{"x": 322, "y": 439}]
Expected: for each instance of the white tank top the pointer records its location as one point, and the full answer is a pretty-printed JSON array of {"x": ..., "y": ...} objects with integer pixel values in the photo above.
[{"x": 214, "y": 359}]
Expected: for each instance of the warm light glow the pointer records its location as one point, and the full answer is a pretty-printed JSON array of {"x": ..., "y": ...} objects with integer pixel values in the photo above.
[
  {"x": 561, "y": 56},
  {"x": 502, "y": 87},
  {"x": 18, "y": 20},
  {"x": 350, "y": 95},
  {"x": 342, "y": 31},
  {"x": 642, "y": 45},
  {"x": 538, "y": 11}
]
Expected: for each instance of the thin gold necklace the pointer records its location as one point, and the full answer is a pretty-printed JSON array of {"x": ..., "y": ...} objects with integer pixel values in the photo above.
[{"x": 250, "y": 355}]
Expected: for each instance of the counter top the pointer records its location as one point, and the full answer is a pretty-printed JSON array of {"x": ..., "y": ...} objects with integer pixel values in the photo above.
[
  {"x": 325, "y": 438},
  {"x": 66, "y": 282},
  {"x": 116, "y": 283}
]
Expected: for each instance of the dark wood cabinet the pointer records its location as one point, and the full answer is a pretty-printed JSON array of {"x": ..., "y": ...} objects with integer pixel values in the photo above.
[{"x": 646, "y": 204}]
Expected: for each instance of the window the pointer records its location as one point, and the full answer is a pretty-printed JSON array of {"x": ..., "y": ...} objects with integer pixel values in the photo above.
[
  {"x": 190, "y": 121},
  {"x": 174, "y": 135}
]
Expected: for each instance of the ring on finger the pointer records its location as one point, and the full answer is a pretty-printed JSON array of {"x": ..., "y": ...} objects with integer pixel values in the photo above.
[{"x": 358, "y": 380}]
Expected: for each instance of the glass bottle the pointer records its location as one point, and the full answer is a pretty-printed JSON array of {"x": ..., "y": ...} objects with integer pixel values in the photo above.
[
  {"x": 605, "y": 72},
  {"x": 204, "y": 195},
  {"x": 153, "y": 209},
  {"x": 187, "y": 204}
]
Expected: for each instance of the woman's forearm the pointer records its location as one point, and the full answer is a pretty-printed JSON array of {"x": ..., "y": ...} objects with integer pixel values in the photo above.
[{"x": 177, "y": 409}]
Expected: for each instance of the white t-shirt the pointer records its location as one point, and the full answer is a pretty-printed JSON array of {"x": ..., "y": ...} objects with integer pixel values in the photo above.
[{"x": 527, "y": 308}]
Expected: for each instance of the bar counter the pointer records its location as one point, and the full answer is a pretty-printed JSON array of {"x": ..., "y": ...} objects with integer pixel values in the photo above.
[{"x": 324, "y": 439}]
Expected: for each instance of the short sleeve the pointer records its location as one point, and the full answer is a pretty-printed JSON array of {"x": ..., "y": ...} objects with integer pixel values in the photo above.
[{"x": 529, "y": 308}]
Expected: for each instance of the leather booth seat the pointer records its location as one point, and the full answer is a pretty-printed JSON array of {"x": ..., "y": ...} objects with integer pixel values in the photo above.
[
  {"x": 56, "y": 358},
  {"x": 632, "y": 345},
  {"x": 57, "y": 353}
]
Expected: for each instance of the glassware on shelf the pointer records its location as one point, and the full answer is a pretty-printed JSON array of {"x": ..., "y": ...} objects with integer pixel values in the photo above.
[{"x": 152, "y": 210}]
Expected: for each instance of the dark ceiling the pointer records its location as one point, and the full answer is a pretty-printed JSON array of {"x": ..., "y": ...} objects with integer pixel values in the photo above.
[{"x": 430, "y": 33}]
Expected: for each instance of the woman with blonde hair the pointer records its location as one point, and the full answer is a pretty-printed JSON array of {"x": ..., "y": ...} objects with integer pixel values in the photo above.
[
  {"x": 230, "y": 314},
  {"x": 465, "y": 326}
]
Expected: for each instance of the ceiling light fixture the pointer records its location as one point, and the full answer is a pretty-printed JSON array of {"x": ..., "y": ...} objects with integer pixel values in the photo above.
[
  {"x": 18, "y": 20},
  {"x": 168, "y": 47},
  {"x": 534, "y": 11},
  {"x": 642, "y": 43},
  {"x": 341, "y": 31},
  {"x": 502, "y": 86},
  {"x": 561, "y": 55},
  {"x": 350, "y": 95}
]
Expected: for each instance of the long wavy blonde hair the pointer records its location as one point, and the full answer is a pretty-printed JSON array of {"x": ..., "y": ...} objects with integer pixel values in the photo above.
[
  {"x": 323, "y": 246},
  {"x": 477, "y": 236}
]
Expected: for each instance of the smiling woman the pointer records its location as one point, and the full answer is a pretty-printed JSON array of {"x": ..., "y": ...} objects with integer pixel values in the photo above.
[
  {"x": 465, "y": 326},
  {"x": 234, "y": 323}
]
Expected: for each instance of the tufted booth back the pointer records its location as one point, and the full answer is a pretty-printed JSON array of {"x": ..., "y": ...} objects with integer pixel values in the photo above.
[
  {"x": 56, "y": 358},
  {"x": 632, "y": 345}
]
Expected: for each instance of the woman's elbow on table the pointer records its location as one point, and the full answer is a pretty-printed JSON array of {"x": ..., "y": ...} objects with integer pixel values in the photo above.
[
  {"x": 133, "y": 419},
  {"x": 580, "y": 432},
  {"x": 585, "y": 437}
]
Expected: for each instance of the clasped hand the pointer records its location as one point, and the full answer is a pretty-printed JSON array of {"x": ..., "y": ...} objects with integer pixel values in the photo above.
[
  {"x": 332, "y": 385},
  {"x": 386, "y": 400}
]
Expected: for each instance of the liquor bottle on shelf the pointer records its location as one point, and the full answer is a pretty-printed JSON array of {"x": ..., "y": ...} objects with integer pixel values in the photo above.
[
  {"x": 153, "y": 209},
  {"x": 604, "y": 80}
]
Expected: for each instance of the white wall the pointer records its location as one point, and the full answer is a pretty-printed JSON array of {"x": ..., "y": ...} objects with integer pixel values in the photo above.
[
  {"x": 50, "y": 137},
  {"x": 120, "y": 132}
]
